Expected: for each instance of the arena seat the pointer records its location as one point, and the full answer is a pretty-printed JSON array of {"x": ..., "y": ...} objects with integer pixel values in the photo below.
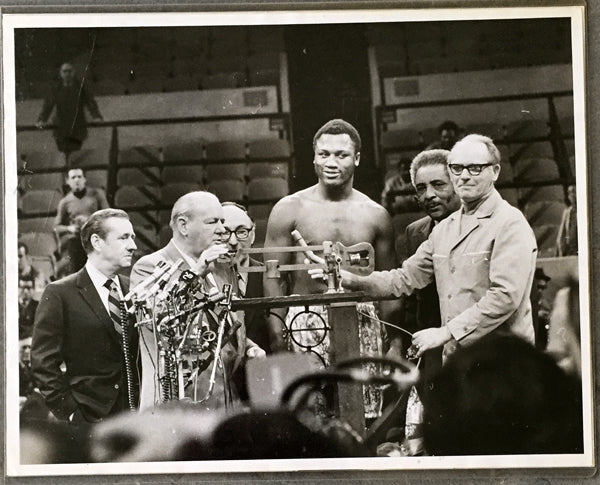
[
  {"x": 138, "y": 176},
  {"x": 544, "y": 212},
  {"x": 40, "y": 243},
  {"x": 40, "y": 201},
  {"x": 525, "y": 129},
  {"x": 506, "y": 173},
  {"x": 259, "y": 211},
  {"x": 544, "y": 193},
  {"x": 269, "y": 148},
  {"x": 183, "y": 173},
  {"x": 171, "y": 192},
  {"x": 511, "y": 196},
  {"x": 260, "y": 231},
  {"x": 567, "y": 126},
  {"x": 164, "y": 217},
  {"x": 538, "y": 149},
  {"x": 226, "y": 150},
  {"x": 143, "y": 218},
  {"x": 97, "y": 178},
  {"x": 130, "y": 197},
  {"x": 232, "y": 190},
  {"x": 41, "y": 181},
  {"x": 97, "y": 157},
  {"x": 536, "y": 169},
  {"x": 176, "y": 153},
  {"x": 146, "y": 239},
  {"x": 267, "y": 188},
  {"x": 36, "y": 224},
  {"x": 164, "y": 235},
  {"x": 225, "y": 171},
  {"x": 141, "y": 155},
  {"x": 267, "y": 169},
  {"x": 545, "y": 236},
  {"x": 39, "y": 160}
]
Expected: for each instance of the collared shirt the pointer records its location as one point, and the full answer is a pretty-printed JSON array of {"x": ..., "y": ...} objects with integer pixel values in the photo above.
[{"x": 99, "y": 279}]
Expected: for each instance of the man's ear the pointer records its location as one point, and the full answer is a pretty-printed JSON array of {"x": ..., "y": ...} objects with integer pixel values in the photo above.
[
  {"x": 181, "y": 225},
  {"x": 95, "y": 241},
  {"x": 357, "y": 159}
]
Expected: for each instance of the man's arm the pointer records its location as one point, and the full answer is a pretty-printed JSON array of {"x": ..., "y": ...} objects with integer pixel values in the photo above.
[
  {"x": 415, "y": 273},
  {"x": 512, "y": 263},
  {"x": 62, "y": 225},
  {"x": 385, "y": 259},
  {"x": 46, "y": 354},
  {"x": 90, "y": 102},
  {"x": 49, "y": 102},
  {"x": 279, "y": 228},
  {"x": 101, "y": 197}
]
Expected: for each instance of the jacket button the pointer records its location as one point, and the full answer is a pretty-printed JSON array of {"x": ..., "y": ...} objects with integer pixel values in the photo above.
[
  {"x": 452, "y": 269},
  {"x": 449, "y": 297},
  {"x": 116, "y": 386}
]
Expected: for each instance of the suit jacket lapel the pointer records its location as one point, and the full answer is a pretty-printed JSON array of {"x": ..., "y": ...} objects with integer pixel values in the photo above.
[
  {"x": 91, "y": 297},
  {"x": 462, "y": 233}
]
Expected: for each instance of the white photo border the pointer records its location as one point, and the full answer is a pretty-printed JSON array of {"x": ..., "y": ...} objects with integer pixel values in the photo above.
[{"x": 158, "y": 19}]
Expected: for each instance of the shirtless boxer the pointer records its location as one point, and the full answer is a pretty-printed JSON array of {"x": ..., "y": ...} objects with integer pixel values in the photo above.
[{"x": 331, "y": 210}]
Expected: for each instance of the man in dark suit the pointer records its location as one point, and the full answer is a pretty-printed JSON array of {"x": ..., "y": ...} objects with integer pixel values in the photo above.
[
  {"x": 436, "y": 196},
  {"x": 78, "y": 325}
]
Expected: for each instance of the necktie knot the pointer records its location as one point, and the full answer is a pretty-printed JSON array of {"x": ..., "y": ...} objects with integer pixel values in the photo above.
[{"x": 109, "y": 284}]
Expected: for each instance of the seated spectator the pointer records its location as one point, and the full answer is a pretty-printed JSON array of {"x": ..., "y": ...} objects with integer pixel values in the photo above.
[
  {"x": 502, "y": 396},
  {"x": 566, "y": 240},
  {"x": 69, "y": 95},
  {"x": 449, "y": 135},
  {"x": 27, "y": 307},
  {"x": 27, "y": 271},
  {"x": 72, "y": 212},
  {"x": 543, "y": 309}
]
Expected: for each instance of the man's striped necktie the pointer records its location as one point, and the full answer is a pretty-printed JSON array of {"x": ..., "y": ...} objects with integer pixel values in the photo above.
[{"x": 114, "y": 309}]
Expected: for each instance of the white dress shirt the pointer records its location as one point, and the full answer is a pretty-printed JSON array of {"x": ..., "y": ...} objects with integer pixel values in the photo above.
[{"x": 99, "y": 279}]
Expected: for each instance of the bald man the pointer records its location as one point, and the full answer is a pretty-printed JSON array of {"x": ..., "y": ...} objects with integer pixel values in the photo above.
[{"x": 197, "y": 223}]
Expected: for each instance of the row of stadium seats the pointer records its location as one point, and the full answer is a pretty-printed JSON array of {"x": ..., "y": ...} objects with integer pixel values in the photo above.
[
  {"x": 33, "y": 159},
  {"x": 261, "y": 189}
]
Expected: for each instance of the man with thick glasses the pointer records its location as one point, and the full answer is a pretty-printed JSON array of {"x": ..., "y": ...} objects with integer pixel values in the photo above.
[
  {"x": 239, "y": 233},
  {"x": 482, "y": 258}
]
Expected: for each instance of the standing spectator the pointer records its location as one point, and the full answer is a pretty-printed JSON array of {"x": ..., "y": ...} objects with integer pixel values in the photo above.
[
  {"x": 449, "y": 135},
  {"x": 566, "y": 241},
  {"x": 72, "y": 212},
  {"x": 28, "y": 272},
  {"x": 69, "y": 95}
]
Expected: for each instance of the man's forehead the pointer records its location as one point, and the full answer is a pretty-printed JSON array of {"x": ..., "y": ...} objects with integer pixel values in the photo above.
[
  {"x": 120, "y": 225},
  {"x": 75, "y": 172},
  {"x": 234, "y": 217},
  {"x": 339, "y": 139},
  {"x": 427, "y": 173},
  {"x": 472, "y": 152}
]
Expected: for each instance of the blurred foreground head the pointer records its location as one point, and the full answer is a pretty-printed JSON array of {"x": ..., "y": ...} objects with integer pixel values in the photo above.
[{"x": 502, "y": 396}]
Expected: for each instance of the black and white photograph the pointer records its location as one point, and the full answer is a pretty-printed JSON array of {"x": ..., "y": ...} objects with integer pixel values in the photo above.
[{"x": 296, "y": 241}]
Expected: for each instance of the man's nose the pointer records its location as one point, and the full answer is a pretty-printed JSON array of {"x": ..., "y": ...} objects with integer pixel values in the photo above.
[
  {"x": 132, "y": 244},
  {"x": 429, "y": 193}
]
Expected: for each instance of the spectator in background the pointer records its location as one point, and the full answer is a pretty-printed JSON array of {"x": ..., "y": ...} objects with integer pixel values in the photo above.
[
  {"x": 543, "y": 309},
  {"x": 69, "y": 95},
  {"x": 449, "y": 135},
  {"x": 27, "y": 308},
  {"x": 566, "y": 241},
  {"x": 28, "y": 272},
  {"x": 398, "y": 193},
  {"x": 72, "y": 212}
]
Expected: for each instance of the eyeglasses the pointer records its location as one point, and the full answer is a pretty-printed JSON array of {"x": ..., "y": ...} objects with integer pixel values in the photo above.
[
  {"x": 457, "y": 169},
  {"x": 241, "y": 233}
]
